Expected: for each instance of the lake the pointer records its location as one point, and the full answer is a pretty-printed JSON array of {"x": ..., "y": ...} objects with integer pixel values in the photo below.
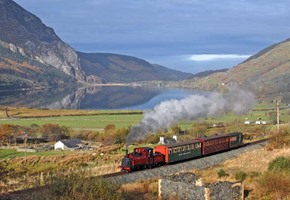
[{"x": 100, "y": 98}]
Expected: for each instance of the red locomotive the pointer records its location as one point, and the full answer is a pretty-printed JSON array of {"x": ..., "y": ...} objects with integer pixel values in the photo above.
[
  {"x": 146, "y": 157},
  {"x": 142, "y": 157}
]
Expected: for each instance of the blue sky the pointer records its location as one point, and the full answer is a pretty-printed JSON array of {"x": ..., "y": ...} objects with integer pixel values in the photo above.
[{"x": 189, "y": 35}]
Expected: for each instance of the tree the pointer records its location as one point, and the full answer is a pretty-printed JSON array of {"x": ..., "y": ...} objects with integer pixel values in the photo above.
[
  {"x": 54, "y": 132},
  {"x": 6, "y": 132},
  {"x": 121, "y": 135}
]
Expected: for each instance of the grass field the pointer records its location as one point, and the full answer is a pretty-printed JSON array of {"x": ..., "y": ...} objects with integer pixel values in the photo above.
[
  {"x": 93, "y": 122},
  {"x": 12, "y": 153},
  {"x": 98, "y": 119}
]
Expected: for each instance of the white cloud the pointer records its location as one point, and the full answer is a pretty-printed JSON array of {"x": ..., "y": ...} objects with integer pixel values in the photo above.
[{"x": 210, "y": 57}]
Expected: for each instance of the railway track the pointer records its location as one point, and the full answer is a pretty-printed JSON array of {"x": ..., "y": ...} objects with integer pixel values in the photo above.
[
  {"x": 124, "y": 173},
  {"x": 197, "y": 163}
]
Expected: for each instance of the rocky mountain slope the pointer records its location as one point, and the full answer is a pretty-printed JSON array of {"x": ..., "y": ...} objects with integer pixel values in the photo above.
[
  {"x": 34, "y": 39},
  {"x": 19, "y": 71},
  {"x": 23, "y": 33},
  {"x": 267, "y": 72}
]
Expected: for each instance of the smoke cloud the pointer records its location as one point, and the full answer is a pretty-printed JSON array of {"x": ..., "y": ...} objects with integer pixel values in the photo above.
[{"x": 163, "y": 115}]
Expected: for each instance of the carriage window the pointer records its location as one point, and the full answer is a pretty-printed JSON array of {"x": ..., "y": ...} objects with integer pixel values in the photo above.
[{"x": 170, "y": 151}]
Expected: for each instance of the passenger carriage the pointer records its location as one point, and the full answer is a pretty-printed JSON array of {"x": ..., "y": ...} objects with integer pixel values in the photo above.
[
  {"x": 236, "y": 139},
  {"x": 180, "y": 151},
  {"x": 215, "y": 143}
]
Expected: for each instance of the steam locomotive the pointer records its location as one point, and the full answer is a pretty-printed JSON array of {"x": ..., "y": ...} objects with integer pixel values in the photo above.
[{"x": 147, "y": 157}]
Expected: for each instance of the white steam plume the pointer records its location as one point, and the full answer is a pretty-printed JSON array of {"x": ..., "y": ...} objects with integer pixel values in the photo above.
[{"x": 166, "y": 113}]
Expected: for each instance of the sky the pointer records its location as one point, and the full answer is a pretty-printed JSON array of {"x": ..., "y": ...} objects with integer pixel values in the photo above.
[{"x": 186, "y": 35}]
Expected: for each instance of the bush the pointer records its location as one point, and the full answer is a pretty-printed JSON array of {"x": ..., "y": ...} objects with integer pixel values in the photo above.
[
  {"x": 273, "y": 185},
  {"x": 240, "y": 176},
  {"x": 279, "y": 164},
  {"x": 121, "y": 135},
  {"x": 280, "y": 139},
  {"x": 222, "y": 173}
]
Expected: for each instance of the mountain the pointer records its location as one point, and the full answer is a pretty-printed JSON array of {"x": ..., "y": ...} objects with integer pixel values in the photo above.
[
  {"x": 24, "y": 34},
  {"x": 267, "y": 72},
  {"x": 122, "y": 68},
  {"x": 19, "y": 71},
  {"x": 27, "y": 32}
]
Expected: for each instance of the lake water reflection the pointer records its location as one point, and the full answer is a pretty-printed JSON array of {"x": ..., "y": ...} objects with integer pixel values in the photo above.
[{"x": 131, "y": 98}]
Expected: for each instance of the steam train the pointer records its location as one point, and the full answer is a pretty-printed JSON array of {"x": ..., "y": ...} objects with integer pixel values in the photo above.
[{"x": 147, "y": 157}]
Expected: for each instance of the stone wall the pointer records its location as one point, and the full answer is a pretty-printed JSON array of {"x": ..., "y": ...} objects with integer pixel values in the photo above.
[{"x": 188, "y": 186}]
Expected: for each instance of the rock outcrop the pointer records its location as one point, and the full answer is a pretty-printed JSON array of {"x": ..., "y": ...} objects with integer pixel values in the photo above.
[{"x": 26, "y": 34}]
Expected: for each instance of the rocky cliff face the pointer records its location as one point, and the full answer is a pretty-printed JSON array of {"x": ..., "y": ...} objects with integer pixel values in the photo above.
[{"x": 29, "y": 36}]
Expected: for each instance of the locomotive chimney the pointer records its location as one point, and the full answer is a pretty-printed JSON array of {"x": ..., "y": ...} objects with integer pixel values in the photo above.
[{"x": 126, "y": 150}]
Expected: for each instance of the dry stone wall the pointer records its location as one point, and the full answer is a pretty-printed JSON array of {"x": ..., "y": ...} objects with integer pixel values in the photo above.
[{"x": 188, "y": 186}]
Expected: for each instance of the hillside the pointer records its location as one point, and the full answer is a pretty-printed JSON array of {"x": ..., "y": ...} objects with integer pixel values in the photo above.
[
  {"x": 266, "y": 72},
  {"x": 122, "y": 68},
  {"x": 33, "y": 39},
  {"x": 25, "y": 35},
  {"x": 18, "y": 71}
]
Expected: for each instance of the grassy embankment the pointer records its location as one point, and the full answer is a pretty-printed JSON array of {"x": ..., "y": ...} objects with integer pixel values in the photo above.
[{"x": 106, "y": 159}]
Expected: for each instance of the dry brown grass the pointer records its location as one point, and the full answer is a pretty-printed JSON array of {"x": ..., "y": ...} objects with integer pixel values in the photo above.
[
  {"x": 253, "y": 163},
  {"x": 25, "y": 112},
  {"x": 146, "y": 190},
  {"x": 28, "y": 169}
]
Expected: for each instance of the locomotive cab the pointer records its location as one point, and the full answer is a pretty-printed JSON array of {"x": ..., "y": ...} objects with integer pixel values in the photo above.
[{"x": 141, "y": 157}]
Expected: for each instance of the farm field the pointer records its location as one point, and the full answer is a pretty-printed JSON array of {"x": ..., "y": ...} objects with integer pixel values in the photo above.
[
  {"x": 85, "y": 122},
  {"x": 98, "y": 119}
]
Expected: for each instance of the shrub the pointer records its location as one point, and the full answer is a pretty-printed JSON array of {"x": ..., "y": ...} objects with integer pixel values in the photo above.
[
  {"x": 280, "y": 139},
  {"x": 110, "y": 127},
  {"x": 120, "y": 136},
  {"x": 222, "y": 173},
  {"x": 240, "y": 176},
  {"x": 279, "y": 164},
  {"x": 254, "y": 174},
  {"x": 273, "y": 185}
]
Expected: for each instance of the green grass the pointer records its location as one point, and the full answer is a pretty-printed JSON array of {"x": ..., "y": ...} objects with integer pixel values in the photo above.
[
  {"x": 12, "y": 153},
  {"x": 262, "y": 110},
  {"x": 81, "y": 122}
]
